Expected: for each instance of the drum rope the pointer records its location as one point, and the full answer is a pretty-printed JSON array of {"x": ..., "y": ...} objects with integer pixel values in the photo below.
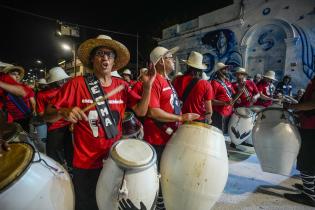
[
  {"x": 46, "y": 164},
  {"x": 121, "y": 185}
]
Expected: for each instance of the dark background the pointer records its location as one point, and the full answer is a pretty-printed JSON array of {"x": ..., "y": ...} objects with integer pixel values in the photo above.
[{"x": 26, "y": 38}]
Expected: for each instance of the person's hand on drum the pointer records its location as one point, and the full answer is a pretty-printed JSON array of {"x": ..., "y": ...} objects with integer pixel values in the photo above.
[
  {"x": 3, "y": 147},
  {"x": 73, "y": 114},
  {"x": 188, "y": 117}
]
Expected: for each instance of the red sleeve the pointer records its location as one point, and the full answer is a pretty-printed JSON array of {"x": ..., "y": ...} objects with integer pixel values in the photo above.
[
  {"x": 9, "y": 80},
  {"x": 29, "y": 91},
  {"x": 255, "y": 89},
  {"x": 155, "y": 95},
  {"x": 132, "y": 98},
  {"x": 214, "y": 87},
  {"x": 40, "y": 104},
  {"x": 138, "y": 88},
  {"x": 66, "y": 95},
  {"x": 208, "y": 91}
]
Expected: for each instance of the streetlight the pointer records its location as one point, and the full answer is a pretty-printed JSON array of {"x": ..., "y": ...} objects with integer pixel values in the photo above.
[
  {"x": 39, "y": 62},
  {"x": 72, "y": 49}
]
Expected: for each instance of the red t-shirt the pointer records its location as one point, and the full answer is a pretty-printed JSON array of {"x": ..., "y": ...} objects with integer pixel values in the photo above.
[
  {"x": 307, "y": 120},
  {"x": 161, "y": 97},
  {"x": 195, "y": 101},
  {"x": 13, "y": 110},
  {"x": 266, "y": 89},
  {"x": 138, "y": 88},
  {"x": 89, "y": 151},
  {"x": 220, "y": 93},
  {"x": 246, "y": 97},
  {"x": 7, "y": 79},
  {"x": 42, "y": 100}
]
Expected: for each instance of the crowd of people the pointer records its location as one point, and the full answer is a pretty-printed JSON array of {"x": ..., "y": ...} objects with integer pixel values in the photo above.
[{"x": 82, "y": 139}]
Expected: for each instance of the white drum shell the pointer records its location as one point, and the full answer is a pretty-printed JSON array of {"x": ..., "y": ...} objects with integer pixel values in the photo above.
[
  {"x": 276, "y": 141},
  {"x": 40, "y": 189},
  {"x": 142, "y": 186},
  {"x": 243, "y": 125},
  {"x": 194, "y": 168}
]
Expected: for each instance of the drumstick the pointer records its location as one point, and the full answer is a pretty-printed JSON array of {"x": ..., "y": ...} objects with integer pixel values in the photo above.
[
  {"x": 238, "y": 95},
  {"x": 103, "y": 98}
]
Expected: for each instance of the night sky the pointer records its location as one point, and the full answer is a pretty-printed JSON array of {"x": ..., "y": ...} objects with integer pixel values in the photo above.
[{"x": 25, "y": 38}]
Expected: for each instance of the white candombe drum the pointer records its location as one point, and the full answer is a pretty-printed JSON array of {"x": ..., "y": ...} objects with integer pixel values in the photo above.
[
  {"x": 129, "y": 173},
  {"x": 276, "y": 140},
  {"x": 241, "y": 125},
  {"x": 32, "y": 181},
  {"x": 194, "y": 167}
]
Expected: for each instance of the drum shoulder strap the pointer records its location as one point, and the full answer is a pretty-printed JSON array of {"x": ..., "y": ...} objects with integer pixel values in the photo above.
[
  {"x": 188, "y": 89},
  {"x": 103, "y": 109}
]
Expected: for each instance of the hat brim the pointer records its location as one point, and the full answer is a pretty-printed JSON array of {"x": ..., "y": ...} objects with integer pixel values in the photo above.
[
  {"x": 241, "y": 72},
  {"x": 201, "y": 67},
  {"x": 172, "y": 51},
  {"x": 122, "y": 53},
  {"x": 269, "y": 78},
  {"x": 19, "y": 68},
  {"x": 56, "y": 80}
]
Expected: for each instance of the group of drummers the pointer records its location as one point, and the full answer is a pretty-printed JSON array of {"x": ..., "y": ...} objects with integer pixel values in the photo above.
[{"x": 81, "y": 132}]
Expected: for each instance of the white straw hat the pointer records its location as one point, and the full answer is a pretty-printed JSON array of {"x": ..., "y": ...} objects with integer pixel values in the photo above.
[
  {"x": 127, "y": 71},
  {"x": 270, "y": 75},
  {"x": 10, "y": 68},
  {"x": 179, "y": 73},
  {"x": 195, "y": 61},
  {"x": 56, "y": 74},
  {"x": 219, "y": 66},
  {"x": 115, "y": 74},
  {"x": 158, "y": 52},
  {"x": 240, "y": 70},
  {"x": 42, "y": 81}
]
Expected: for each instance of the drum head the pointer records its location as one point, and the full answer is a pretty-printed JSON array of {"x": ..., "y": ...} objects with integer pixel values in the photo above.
[
  {"x": 132, "y": 153},
  {"x": 244, "y": 112},
  {"x": 14, "y": 163}
]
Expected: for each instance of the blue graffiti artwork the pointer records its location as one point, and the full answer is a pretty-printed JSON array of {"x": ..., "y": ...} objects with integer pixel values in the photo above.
[
  {"x": 265, "y": 41},
  {"x": 223, "y": 47},
  {"x": 308, "y": 53}
]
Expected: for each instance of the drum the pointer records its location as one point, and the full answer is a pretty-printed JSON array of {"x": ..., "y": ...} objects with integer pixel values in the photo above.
[
  {"x": 241, "y": 125},
  {"x": 194, "y": 167},
  {"x": 276, "y": 140},
  {"x": 30, "y": 180},
  {"x": 132, "y": 127},
  {"x": 129, "y": 174}
]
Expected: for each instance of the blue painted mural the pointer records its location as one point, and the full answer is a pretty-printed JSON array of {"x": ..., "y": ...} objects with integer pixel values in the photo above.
[
  {"x": 308, "y": 53},
  {"x": 223, "y": 47}
]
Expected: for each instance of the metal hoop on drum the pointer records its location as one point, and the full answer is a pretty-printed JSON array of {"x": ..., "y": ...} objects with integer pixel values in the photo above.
[{"x": 283, "y": 116}]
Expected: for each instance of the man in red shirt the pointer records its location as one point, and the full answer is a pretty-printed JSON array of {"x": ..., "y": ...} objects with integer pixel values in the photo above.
[
  {"x": 249, "y": 90},
  {"x": 164, "y": 112},
  {"x": 127, "y": 76},
  {"x": 223, "y": 97},
  {"x": 305, "y": 159},
  {"x": 96, "y": 129},
  {"x": 20, "y": 108},
  {"x": 194, "y": 92},
  {"x": 266, "y": 89},
  {"x": 59, "y": 139}
]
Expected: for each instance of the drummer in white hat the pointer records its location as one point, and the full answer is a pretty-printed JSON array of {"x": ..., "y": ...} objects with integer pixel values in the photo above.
[
  {"x": 96, "y": 129},
  {"x": 267, "y": 89},
  {"x": 127, "y": 76},
  {"x": 58, "y": 146},
  {"x": 247, "y": 88},
  {"x": 223, "y": 97},
  {"x": 195, "y": 92}
]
